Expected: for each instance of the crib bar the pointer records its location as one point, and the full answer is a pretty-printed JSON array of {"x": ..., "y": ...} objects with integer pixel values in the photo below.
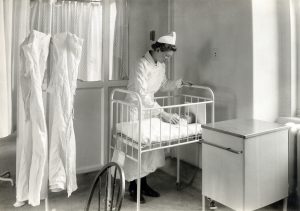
[
  {"x": 203, "y": 98},
  {"x": 127, "y": 128},
  {"x": 120, "y": 120},
  {"x": 170, "y": 146},
  {"x": 122, "y": 114},
  {"x": 131, "y": 136},
  {"x": 163, "y": 97},
  {"x": 187, "y": 128},
  {"x": 179, "y": 112},
  {"x": 110, "y": 129},
  {"x": 196, "y": 117},
  {"x": 139, "y": 157},
  {"x": 117, "y": 121},
  {"x": 117, "y": 113},
  {"x": 122, "y": 102},
  {"x": 160, "y": 126},
  {"x": 178, "y": 166},
  {"x": 179, "y": 105},
  {"x": 169, "y": 128},
  {"x": 150, "y": 125}
]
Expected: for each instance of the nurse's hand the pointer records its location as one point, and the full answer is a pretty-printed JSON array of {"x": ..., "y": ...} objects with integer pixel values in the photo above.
[
  {"x": 187, "y": 83},
  {"x": 179, "y": 83},
  {"x": 170, "y": 118}
]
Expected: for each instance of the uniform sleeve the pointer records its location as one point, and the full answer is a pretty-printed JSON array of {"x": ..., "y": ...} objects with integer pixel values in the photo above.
[
  {"x": 168, "y": 85},
  {"x": 25, "y": 78}
]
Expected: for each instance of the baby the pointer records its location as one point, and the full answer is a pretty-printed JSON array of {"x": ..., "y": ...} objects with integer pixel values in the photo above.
[{"x": 187, "y": 118}]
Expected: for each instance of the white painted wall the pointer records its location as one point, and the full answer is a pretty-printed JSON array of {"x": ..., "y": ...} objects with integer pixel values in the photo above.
[
  {"x": 144, "y": 16},
  {"x": 204, "y": 26},
  {"x": 225, "y": 27},
  {"x": 271, "y": 58},
  {"x": 87, "y": 120},
  {"x": 251, "y": 71}
]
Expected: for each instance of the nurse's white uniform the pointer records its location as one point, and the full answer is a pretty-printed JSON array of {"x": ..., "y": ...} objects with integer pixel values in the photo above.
[
  {"x": 66, "y": 51},
  {"x": 32, "y": 142},
  {"x": 146, "y": 80}
]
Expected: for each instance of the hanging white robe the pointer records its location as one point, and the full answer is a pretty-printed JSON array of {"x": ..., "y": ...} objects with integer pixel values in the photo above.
[
  {"x": 33, "y": 144},
  {"x": 146, "y": 80},
  {"x": 65, "y": 56}
]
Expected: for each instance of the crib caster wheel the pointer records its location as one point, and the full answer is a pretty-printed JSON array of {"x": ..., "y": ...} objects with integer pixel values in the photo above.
[
  {"x": 178, "y": 186},
  {"x": 212, "y": 204}
]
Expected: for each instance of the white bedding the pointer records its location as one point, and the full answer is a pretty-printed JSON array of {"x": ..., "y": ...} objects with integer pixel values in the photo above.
[{"x": 159, "y": 130}]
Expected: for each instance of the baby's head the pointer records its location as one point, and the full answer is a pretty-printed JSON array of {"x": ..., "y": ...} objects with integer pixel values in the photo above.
[{"x": 189, "y": 117}]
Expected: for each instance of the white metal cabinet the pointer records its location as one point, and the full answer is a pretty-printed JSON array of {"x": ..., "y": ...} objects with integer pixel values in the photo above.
[{"x": 245, "y": 163}]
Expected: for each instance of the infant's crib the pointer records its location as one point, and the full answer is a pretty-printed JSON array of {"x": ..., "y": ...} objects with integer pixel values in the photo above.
[{"x": 146, "y": 133}]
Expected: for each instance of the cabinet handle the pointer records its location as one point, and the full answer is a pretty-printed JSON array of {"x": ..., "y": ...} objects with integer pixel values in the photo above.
[{"x": 221, "y": 147}]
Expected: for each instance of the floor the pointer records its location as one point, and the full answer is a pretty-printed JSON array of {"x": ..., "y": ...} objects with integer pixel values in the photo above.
[{"x": 187, "y": 199}]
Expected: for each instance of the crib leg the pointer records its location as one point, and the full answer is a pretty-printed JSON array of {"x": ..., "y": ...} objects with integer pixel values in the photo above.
[
  {"x": 139, "y": 183},
  {"x": 138, "y": 194},
  {"x": 178, "y": 169},
  {"x": 285, "y": 203},
  {"x": 203, "y": 202},
  {"x": 47, "y": 204}
]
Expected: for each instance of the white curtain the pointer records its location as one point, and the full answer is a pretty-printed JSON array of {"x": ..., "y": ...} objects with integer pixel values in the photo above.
[
  {"x": 13, "y": 29},
  {"x": 83, "y": 19},
  {"x": 5, "y": 71},
  {"x": 118, "y": 40}
]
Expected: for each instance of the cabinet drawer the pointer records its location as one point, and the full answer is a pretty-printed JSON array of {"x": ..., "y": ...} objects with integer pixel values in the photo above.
[
  {"x": 223, "y": 140},
  {"x": 222, "y": 176}
]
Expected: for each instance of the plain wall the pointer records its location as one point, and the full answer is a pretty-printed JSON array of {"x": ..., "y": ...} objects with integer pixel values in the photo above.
[
  {"x": 87, "y": 128},
  {"x": 206, "y": 27},
  {"x": 145, "y": 16},
  {"x": 242, "y": 50},
  {"x": 271, "y": 59}
]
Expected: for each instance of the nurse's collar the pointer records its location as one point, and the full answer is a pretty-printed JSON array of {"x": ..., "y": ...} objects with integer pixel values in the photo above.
[
  {"x": 152, "y": 54},
  {"x": 149, "y": 56}
]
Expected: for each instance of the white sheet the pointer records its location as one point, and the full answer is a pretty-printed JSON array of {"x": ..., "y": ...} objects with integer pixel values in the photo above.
[{"x": 159, "y": 130}]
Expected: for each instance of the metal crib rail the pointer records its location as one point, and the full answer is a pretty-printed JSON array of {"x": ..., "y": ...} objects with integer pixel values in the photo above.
[{"x": 212, "y": 98}]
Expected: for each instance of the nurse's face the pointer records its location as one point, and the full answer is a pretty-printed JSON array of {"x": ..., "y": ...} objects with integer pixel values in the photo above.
[{"x": 164, "y": 56}]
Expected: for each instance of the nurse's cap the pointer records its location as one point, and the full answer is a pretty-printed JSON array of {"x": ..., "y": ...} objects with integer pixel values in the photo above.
[{"x": 168, "y": 39}]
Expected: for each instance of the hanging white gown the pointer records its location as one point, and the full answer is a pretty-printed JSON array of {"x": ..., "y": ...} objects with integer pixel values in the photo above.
[
  {"x": 146, "y": 80},
  {"x": 65, "y": 57},
  {"x": 33, "y": 144}
]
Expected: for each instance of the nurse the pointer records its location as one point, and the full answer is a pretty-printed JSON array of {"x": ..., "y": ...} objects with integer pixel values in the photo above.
[{"x": 146, "y": 79}]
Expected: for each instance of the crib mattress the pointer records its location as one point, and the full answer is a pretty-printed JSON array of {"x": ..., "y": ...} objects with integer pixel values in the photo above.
[
  {"x": 155, "y": 145},
  {"x": 156, "y": 133}
]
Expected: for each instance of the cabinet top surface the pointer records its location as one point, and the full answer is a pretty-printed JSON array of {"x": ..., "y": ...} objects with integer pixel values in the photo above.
[{"x": 245, "y": 128}]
